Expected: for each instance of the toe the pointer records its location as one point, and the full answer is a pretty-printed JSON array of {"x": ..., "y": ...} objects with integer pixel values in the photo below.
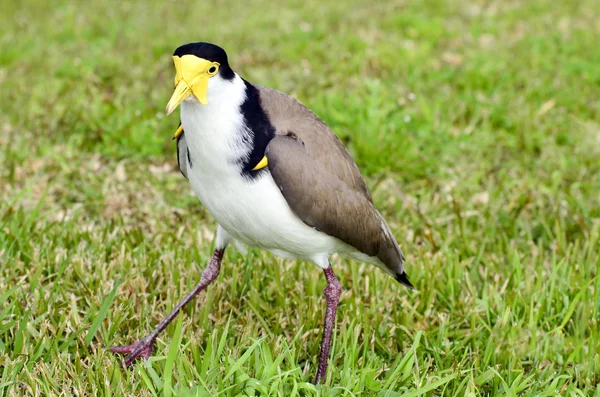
[
  {"x": 142, "y": 349},
  {"x": 147, "y": 352},
  {"x": 122, "y": 349}
]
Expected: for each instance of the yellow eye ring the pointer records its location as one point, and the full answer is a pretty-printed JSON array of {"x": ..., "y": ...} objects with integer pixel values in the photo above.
[{"x": 212, "y": 69}]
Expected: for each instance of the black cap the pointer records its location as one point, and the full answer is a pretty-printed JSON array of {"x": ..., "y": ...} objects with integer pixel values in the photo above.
[{"x": 210, "y": 52}]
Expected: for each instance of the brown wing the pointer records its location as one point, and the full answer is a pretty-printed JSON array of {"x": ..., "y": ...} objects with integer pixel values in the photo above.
[
  {"x": 322, "y": 184},
  {"x": 324, "y": 147},
  {"x": 323, "y": 201}
]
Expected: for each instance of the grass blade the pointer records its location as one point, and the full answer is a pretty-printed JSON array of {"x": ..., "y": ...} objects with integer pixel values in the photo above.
[
  {"x": 169, "y": 364},
  {"x": 102, "y": 313}
]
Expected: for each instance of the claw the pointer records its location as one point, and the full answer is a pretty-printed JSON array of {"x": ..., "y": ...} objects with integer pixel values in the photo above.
[{"x": 141, "y": 349}]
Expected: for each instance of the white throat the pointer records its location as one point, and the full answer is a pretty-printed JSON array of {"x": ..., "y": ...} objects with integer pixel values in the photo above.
[{"x": 215, "y": 133}]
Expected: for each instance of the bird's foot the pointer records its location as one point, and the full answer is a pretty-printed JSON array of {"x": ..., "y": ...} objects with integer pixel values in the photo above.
[{"x": 143, "y": 348}]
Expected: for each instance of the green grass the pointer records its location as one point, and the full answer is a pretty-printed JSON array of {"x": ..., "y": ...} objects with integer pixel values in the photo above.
[{"x": 476, "y": 124}]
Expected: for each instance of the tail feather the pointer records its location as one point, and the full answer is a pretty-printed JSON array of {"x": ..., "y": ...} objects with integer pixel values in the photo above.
[{"x": 402, "y": 278}]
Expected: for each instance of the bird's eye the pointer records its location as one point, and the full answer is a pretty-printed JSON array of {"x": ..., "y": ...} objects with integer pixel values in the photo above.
[{"x": 212, "y": 70}]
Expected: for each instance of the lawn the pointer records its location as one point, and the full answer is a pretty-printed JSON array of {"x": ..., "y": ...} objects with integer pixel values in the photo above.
[{"x": 475, "y": 123}]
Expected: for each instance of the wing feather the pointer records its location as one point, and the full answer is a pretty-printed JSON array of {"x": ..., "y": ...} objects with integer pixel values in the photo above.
[
  {"x": 323, "y": 201},
  {"x": 326, "y": 149},
  {"x": 182, "y": 150}
]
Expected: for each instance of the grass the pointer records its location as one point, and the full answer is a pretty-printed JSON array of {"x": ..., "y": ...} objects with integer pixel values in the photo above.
[{"x": 476, "y": 125}]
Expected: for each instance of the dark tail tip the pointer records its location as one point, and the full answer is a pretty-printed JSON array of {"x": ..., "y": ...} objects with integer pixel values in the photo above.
[{"x": 403, "y": 279}]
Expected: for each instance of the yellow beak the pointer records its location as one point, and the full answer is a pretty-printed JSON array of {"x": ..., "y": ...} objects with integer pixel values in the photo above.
[
  {"x": 182, "y": 91},
  {"x": 191, "y": 78}
]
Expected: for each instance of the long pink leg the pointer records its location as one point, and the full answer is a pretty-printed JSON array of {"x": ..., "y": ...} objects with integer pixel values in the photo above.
[
  {"x": 332, "y": 297},
  {"x": 145, "y": 347}
]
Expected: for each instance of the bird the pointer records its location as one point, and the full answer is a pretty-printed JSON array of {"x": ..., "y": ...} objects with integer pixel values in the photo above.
[{"x": 274, "y": 176}]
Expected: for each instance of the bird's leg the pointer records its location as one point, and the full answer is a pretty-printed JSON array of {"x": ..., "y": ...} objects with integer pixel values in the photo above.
[
  {"x": 145, "y": 347},
  {"x": 332, "y": 297}
]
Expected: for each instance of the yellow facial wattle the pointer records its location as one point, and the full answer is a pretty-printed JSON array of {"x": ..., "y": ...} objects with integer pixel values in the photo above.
[{"x": 191, "y": 77}]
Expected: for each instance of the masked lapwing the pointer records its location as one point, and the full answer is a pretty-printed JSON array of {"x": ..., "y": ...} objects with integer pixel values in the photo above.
[{"x": 274, "y": 176}]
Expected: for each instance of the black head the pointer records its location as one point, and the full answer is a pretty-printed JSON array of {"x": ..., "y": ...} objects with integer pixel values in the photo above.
[{"x": 210, "y": 52}]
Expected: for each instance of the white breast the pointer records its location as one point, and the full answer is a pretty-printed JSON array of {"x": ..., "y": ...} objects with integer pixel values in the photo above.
[
  {"x": 256, "y": 214},
  {"x": 253, "y": 211}
]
